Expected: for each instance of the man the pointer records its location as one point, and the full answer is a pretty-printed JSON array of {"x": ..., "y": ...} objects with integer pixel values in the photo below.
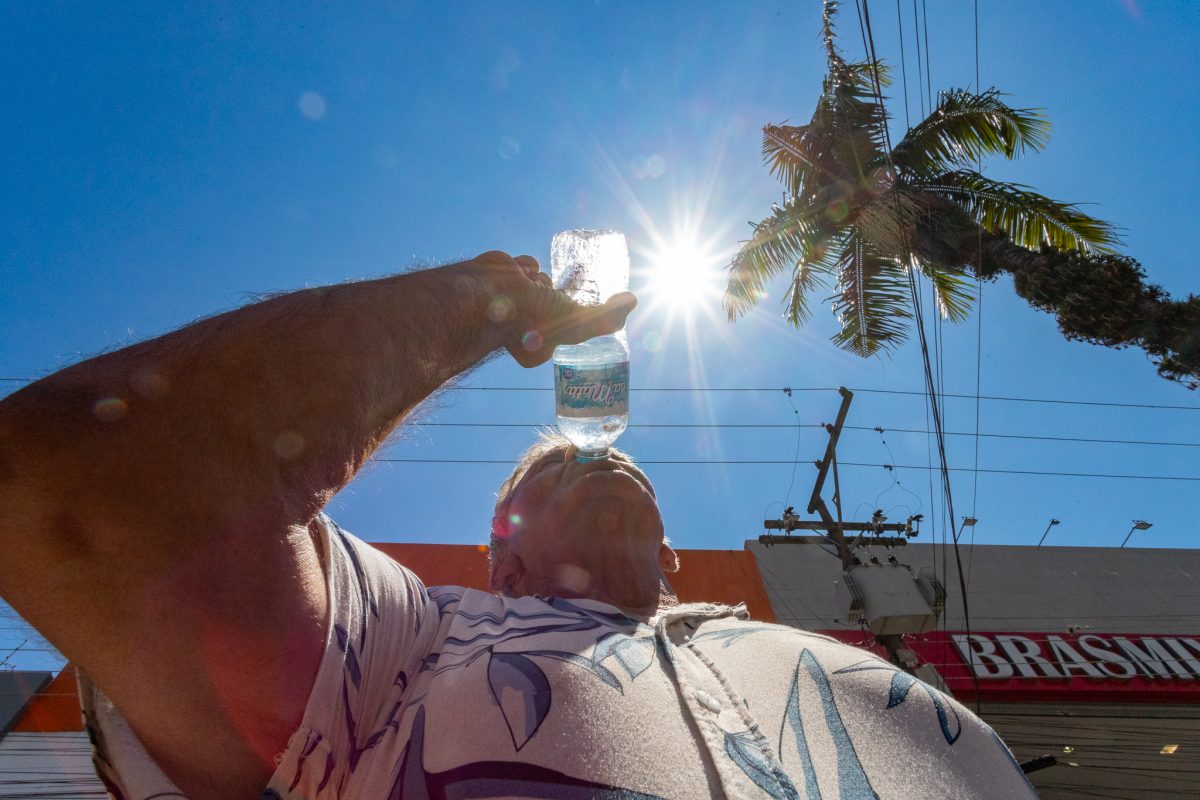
[{"x": 160, "y": 515}]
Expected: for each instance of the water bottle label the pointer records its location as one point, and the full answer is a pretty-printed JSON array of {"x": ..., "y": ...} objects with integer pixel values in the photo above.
[{"x": 592, "y": 391}]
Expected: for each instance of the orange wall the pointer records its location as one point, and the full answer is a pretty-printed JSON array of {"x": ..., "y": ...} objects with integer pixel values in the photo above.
[
  {"x": 717, "y": 576},
  {"x": 443, "y": 564},
  {"x": 722, "y": 576},
  {"x": 54, "y": 709}
]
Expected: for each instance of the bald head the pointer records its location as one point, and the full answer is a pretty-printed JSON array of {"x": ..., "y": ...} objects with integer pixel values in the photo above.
[
  {"x": 550, "y": 443},
  {"x": 578, "y": 529}
]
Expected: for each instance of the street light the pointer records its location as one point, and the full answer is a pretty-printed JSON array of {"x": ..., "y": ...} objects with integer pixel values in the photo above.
[
  {"x": 1138, "y": 525},
  {"x": 967, "y": 522},
  {"x": 1053, "y": 522}
]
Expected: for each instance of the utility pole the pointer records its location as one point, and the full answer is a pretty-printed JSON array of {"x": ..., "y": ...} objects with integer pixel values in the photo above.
[
  {"x": 889, "y": 597},
  {"x": 835, "y": 528},
  {"x": 816, "y": 502}
]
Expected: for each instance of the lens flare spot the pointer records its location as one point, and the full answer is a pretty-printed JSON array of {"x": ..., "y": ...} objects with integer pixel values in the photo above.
[
  {"x": 509, "y": 148},
  {"x": 573, "y": 577},
  {"x": 150, "y": 384},
  {"x": 652, "y": 341},
  {"x": 312, "y": 105},
  {"x": 288, "y": 445},
  {"x": 110, "y": 409},
  {"x": 531, "y": 341},
  {"x": 506, "y": 64},
  {"x": 652, "y": 166},
  {"x": 500, "y": 309},
  {"x": 514, "y": 519},
  {"x": 837, "y": 211}
]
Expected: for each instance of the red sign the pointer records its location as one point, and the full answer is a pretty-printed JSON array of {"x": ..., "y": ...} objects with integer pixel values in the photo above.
[{"x": 1081, "y": 667}]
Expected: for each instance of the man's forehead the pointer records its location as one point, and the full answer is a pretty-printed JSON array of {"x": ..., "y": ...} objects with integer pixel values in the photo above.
[{"x": 567, "y": 452}]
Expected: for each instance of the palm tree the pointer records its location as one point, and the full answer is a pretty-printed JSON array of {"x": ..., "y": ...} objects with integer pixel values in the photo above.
[{"x": 867, "y": 220}]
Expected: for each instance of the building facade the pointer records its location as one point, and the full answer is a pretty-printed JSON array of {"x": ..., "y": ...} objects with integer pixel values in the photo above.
[{"x": 1085, "y": 660}]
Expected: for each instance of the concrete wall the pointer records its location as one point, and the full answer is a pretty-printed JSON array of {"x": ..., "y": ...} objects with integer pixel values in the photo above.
[{"x": 1009, "y": 588}]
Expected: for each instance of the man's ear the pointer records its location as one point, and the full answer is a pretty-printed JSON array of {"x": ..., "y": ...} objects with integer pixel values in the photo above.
[
  {"x": 506, "y": 573},
  {"x": 667, "y": 560}
]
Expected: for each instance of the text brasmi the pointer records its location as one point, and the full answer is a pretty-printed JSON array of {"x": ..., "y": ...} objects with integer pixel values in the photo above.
[{"x": 999, "y": 656}]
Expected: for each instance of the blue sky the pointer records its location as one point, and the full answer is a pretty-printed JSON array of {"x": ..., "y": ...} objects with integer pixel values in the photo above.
[{"x": 163, "y": 162}]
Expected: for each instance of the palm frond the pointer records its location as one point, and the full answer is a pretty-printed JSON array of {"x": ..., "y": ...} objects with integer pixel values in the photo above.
[
  {"x": 872, "y": 302},
  {"x": 812, "y": 272},
  {"x": 780, "y": 242},
  {"x": 844, "y": 143},
  {"x": 964, "y": 128},
  {"x": 862, "y": 73},
  {"x": 1027, "y": 218},
  {"x": 829, "y": 31},
  {"x": 848, "y": 101},
  {"x": 800, "y": 157},
  {"x": 951, "y": 288},
  {"x": 888, "y": 223}
]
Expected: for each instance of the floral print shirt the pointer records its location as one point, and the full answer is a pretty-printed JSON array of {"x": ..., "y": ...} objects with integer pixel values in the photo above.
[{"x": 449, "y": 693}]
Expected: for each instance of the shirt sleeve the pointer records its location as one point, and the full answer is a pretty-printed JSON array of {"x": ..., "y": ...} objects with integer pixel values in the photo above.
[{"x": 382, "y": 624}]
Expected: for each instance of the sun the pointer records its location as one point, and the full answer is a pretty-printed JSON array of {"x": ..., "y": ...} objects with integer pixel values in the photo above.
[{"x": 684, "y": 277}]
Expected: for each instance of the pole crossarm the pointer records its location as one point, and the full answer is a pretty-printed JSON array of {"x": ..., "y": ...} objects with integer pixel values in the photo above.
[
  {"x": 772, "y": 539},
  {"x": 814, "y": 525}
]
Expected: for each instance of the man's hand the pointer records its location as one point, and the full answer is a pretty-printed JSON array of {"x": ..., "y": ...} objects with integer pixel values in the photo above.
[{"x": 537, "y": 317}]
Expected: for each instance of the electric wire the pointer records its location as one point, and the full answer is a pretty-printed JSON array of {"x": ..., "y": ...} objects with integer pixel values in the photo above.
[
  {"x": 978, "y": 322},
  {"x": 931, "y": 387},
  {"x": 796, "y": 457},
  {"x": 920, "y": 77},
  {"x": 777, "y": 461},
  {"x": 903, "y": 66},
  {"x": 928, "y": 72},
  {"x": 901, "y": 392},
  {"x": 895, "y": 477},
  {"x": 814, "y": 425}
]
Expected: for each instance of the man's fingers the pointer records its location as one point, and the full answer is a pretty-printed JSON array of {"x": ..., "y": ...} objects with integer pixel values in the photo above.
[
  {"x": 564, "y": 322},
  {"x": 529, "y": 265},
  {"x": 589, "y": 321},
  {"x": 614, "y": 312}
]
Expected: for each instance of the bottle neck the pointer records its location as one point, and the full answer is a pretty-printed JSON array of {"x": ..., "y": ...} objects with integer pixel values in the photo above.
[{"x": 612, "y": 344}]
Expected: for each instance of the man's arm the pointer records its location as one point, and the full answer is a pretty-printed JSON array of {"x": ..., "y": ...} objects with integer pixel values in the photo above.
[{"x": 155, "y": 502}]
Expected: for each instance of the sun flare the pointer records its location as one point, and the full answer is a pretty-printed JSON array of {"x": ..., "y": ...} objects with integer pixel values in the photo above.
[{"x": 684, "y": 277}]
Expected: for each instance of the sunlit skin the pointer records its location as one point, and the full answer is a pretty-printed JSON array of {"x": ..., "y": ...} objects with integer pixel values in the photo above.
[{"x": 589, "y": 530}]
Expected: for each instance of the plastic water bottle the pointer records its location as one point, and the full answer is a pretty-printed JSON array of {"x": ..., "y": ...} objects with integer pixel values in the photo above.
[{"x": 591, "y": 379}]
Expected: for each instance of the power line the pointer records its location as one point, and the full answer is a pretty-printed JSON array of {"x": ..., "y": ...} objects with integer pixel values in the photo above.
[
  {"x": 920, "y": 77},
  {"x": 978, "y": 315},
  {"x": 933, "y": 389},
  {"x": 999, "y": 398},
  {"x": 904, "y": 392},
  {"x": 752, "y": 462},
  {"x": 777, "y": 425},
  {"x": 903, "y": 65}
]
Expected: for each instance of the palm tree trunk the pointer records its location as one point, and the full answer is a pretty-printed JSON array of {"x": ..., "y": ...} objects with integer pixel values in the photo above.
[{"x": 1102, "y": 298}]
